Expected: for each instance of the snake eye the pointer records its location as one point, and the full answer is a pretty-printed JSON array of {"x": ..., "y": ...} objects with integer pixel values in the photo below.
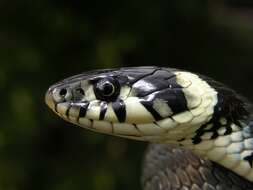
[{"x": 107, "y": 89}]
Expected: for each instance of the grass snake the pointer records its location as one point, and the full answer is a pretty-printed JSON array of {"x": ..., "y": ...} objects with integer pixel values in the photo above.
[{"x": 200, "y": 130}]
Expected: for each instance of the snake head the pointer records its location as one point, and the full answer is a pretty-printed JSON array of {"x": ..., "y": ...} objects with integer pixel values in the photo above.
[
  {"x": 144, "y": 103},
  {"x": 161, "y": 105}
]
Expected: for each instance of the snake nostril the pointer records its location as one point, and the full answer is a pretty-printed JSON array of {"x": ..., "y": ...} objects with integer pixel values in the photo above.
[
  {"x": 80, "y": 91},
  {"x": 63, "y": 92},
  {"x": 78, "y": 94}
]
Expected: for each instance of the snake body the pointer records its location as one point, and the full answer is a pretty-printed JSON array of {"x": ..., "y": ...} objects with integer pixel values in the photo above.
[{"x": 173, "y": 109}]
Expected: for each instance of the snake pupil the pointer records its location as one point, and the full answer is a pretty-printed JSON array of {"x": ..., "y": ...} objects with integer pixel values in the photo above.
[{"x": 108, "y": 89}]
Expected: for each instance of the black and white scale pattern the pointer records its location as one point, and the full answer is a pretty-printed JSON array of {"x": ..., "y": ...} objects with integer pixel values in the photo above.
[{"x": 161, "y": 105}]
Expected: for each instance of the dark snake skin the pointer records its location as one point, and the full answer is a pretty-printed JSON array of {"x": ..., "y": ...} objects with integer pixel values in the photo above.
[{"x": 167, "y": 167}]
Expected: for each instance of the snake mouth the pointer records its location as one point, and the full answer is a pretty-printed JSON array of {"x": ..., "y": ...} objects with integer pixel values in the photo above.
[{"x": 75, "y": 113}]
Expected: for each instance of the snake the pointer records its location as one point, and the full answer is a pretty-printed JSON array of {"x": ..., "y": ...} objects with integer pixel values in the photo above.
[{"x": 200, "y": 131}]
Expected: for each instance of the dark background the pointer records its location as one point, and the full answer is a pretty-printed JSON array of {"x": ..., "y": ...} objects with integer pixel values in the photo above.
[{"x": 44, "y": 41}]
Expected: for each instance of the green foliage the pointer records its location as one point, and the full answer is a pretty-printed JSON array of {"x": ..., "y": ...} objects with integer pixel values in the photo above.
[{"x": 44, "y": 41}]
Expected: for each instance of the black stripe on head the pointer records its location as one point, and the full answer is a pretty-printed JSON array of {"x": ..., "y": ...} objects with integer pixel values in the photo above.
[
  {"x": 83, "y": 109},
  {"x": 149, "y": 107},
  {"x": 103, "y": 110},
  {"x": 67, "y": 112},
  {"x": 249, "y": 159},
  {"x": 119, "y": 108},
  {"x": 153, "y": 82},
  {"x": 175, "y": 99},
  {"x": 161, "y": 84}
]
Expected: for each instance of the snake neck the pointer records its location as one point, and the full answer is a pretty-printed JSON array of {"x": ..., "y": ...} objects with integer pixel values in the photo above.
[{"x": 229, "y": 144}]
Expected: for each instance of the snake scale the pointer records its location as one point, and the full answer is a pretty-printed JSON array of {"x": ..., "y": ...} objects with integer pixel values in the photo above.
[{"x": 200, "y": 130}]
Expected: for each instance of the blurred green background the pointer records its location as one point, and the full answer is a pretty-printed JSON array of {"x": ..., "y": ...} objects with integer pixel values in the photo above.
[{"x": 44, "y": 41}]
